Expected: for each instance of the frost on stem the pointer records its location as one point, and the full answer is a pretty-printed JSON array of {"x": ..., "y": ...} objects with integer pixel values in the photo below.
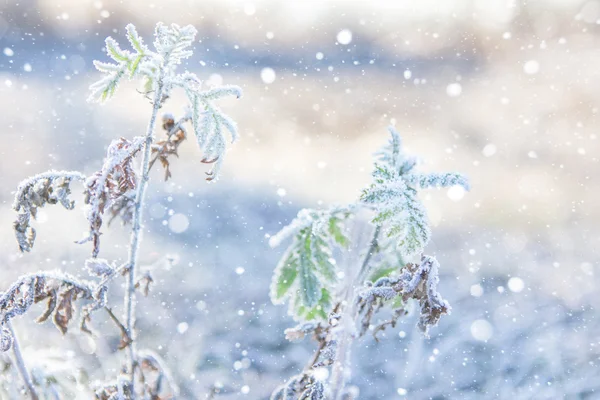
[
  {"x": 306, "y": 274},
  {"x": 50, "y": 187},
  {"x": 106, "y": 187},
  {"x": 393, "y": 195}
]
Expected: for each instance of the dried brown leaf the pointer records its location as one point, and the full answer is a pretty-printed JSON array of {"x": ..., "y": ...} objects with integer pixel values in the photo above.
[{"x": 65, "y": 309}]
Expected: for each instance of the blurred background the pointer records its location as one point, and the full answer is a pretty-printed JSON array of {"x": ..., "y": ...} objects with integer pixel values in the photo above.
[{"x": 503, "y": 90}]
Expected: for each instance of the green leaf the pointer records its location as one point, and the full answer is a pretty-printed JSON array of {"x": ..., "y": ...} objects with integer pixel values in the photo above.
[
  {"x": 135, "y": 39},
  {"x": 418, "y": 232},
  {"x": 134, "y": 65},
  {"x": 148, "y": 84},
  {"x": 309, "y": 285},
  {"x": 383, "y": 271},
  {"x": 285, "y": 276},
  {"x": 322, "y": 309},
  {"x": 322, "y": 257},
  {"x": 113, "y": 50},
  {"x": 336, "y": 232},
  {"x": 384, "y": 216},
  {"x": 396, "y": 302}
]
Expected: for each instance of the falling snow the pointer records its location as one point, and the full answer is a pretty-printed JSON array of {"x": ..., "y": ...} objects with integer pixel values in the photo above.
[{"x": 503, "y": 92}]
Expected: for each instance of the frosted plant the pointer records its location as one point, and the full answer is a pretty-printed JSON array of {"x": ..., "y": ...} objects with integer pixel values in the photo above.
[
  {"x": 393, "y": 195},
  {"x": 336, "y": 302},
  {"x": 117, "y": 190}
]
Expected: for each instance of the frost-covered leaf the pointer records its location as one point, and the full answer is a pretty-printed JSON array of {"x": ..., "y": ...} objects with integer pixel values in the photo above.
[
  {"x": 171, "y": 43},
  {"x": 320, "y": 310},
  {"x": 394, "y": 196},
  {"x": 60, "y": 289},
  {"x": 157, "y": 69},
  {"x": 209, "y": 122},
  {"x": 64, "y": 310},
  {"x": 50, "y": 187},
  {"x": 337, "y": 233},
  {"x": 99, "y": 267},
  {"x": 309, "y": 286},
  {"x": 307, "y": 272},
  {"x": 419, "y": 282},
  {"x": 284, "y": 277}
]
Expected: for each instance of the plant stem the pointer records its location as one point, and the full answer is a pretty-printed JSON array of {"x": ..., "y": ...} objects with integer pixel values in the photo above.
[
  {"x": 21, "y": 364},
  {"x": 364, "y": 269},
  {"x": 341, "y": 369},
  {"x": 134, "y": 243}
]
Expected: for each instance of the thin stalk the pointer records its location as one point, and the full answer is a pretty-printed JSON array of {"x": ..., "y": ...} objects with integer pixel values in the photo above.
[
  {"x": 315, "y": 357},
  {"x": 21, "y": 363},
  {"x": 134, "y": 243},
  {"x": 341, "y": 369},
  {"x": 364, "y": 269}
]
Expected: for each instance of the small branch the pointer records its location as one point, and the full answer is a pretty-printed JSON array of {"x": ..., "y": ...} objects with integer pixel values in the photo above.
[
  {"x": 20, "y": 363},
  {"x": 125, "y": 338},
  {"x": 341, "y": 365},
  {"x": 391, "y": 322},
  {"x": 315, "y": 357}
]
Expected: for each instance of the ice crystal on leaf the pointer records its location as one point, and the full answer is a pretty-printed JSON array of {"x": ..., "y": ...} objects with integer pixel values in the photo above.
[
  {"x": 210, "y": 123},
  {"x": 394, "y": 196},
  {"x": 172, "y": 46},
  {"x": 307, "y": 272},
  {"x": 127, "y": 65}
]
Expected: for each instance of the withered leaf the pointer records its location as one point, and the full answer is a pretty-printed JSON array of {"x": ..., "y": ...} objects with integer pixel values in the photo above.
[
  {"x": 65, "y": 309},
  {"x": 144, "y": 283},
  {"x": 52, "y": 300}
]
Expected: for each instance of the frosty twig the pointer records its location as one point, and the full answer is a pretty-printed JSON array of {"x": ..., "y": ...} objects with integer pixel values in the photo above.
[
  {"x": 134, "y": 243},
  {"x": 23, "y": 371}
]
